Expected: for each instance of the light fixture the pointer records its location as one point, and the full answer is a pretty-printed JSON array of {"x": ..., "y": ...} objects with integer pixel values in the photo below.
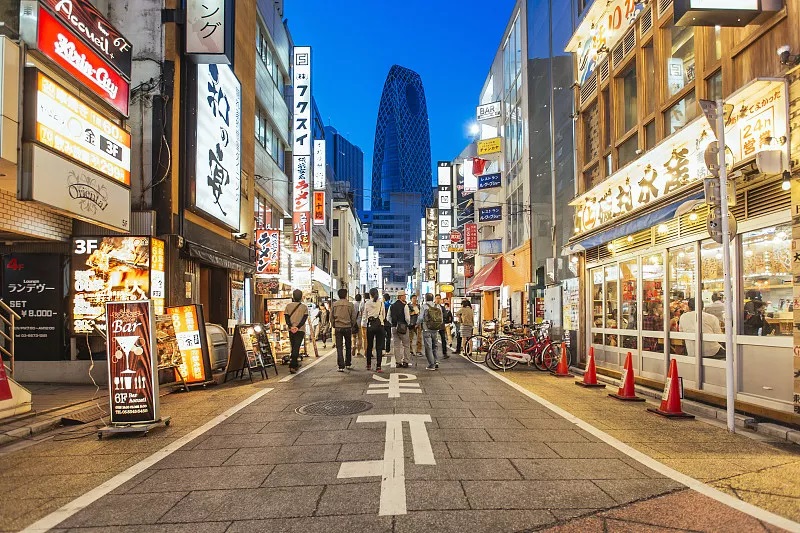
[
  {"x": 630, "y": 238},
  {"x": 239, "y": 236},
  {"x": 574, "y": 260},
  {"x": 611, "y": 247},
  {"x": 787, "y": 181},
  {"x": 662, "y": 229},
  {"x": 693, "y": 217}
]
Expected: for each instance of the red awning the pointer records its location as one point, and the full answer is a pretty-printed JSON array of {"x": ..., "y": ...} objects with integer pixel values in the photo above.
[{"x": 489, "y": 278}]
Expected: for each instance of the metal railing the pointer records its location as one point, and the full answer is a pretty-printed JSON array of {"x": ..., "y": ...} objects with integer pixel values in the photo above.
[{"x": 8, "y": 323}]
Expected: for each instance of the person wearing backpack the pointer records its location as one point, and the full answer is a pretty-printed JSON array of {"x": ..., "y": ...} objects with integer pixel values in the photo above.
[
  {"x": 375, "y": 314},
  {"x": 432, "y": 322},
  {"x": 400, "y": 318},
  {"x": 295, "y": 315},
  {"x": 343, "y": 316}
]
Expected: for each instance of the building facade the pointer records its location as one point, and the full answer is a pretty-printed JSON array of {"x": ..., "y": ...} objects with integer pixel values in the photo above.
[
  {"x": 346, "y": 243},
  {"x": 346, "y": 161}
]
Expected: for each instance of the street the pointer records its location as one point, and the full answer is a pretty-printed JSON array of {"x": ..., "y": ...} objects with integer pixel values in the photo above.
[{"x": 456, "y": 449}]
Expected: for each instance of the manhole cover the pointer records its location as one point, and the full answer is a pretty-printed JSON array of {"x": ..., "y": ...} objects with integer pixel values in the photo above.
[{"x": 334, "y": 408}]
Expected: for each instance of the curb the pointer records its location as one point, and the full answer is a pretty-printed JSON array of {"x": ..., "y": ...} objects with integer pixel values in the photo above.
[{"x": 42, "y": 426}]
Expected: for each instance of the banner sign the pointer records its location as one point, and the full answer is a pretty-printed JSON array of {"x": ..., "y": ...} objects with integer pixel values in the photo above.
[
  {"x": 132, "y": 375},
  {"x": 209, "y": 31},
  {"x": 470, "y": 237},
  {"x": 302, "y": 232},
  {"x": 490, "y": 214},
  {"x": 190, "y": 333},
  {"x": 57, "y": 119},
  {"x": 319, "y": 164},
  {"x": 59, "y": 44},
  {"x": 268, "y": 251},
  {"x": 489, "y": 111},
  {"x": 96, "y": 31},
  {"x": 489, "y": 181},
  {"x": 319, "y": 208},
  {"x": 490, "y": 146},
  {"x": 218, "y": 150},
  {"x": 32, "y": 287},
  {"x": 302, "y": 101}
]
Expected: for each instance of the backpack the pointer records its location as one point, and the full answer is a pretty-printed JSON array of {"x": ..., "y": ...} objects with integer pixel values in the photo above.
[{"x": 433, "y": 318}]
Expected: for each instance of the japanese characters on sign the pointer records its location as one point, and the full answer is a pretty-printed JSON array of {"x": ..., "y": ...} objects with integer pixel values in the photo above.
[
  {"x": 319, "y": 164},
  {"x": 218, "y": 155},
  {"x": 470, "y": 237},
  {"x": 302, "y": 232},
  {"x": 132, "y": 375},
  {"x": 759, "y": 122},
  {"x": 490, "y": 146},
  {"x": 302, "y": 101},
  {"x": 209, "y": 31},
  {"x": 190, "y": 335},
  {"x": 268, "y": 252},
  {"x": 490, "y": 214},
  {"x": 302, "y": 145},
  {"x": 157, "y": 275},
  {"x": 489, "y": 181},
  {"x": 65, "y": 124},
  {"x": 319, "y": 208}
]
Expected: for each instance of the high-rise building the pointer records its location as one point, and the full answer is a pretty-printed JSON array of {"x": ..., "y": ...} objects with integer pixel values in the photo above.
[
  {"x": 401, "y": 173},
  {"x": 346, "y": 161}
]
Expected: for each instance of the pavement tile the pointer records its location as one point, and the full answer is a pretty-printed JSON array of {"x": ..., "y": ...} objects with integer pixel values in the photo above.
[
  {"x": 494, "y": 450},
  {"x": 461, "y": 404},
  {"x": 257, "y": 440},
  {"x": 352, "y": 498},
  {"x": 317, "y": 524},
  {"x": 435, "y": 495},
  {"x": 309, "y": 424},
  {"x": 536, "y": 435},
  {"x": 372, "y": 451},
  {"x": 577, "y": 469},
  {"x": 585, "y": 525},
  {"x": 546, "y": 423},
  {"x": 123, "y": 510},
  {"x": 472, "y": 521},
  {"x": 290, "y": 475},
  {"x": 237, "y": 429},
  {"x": 463, "y": 469},
  {"x": 341, "y": 436},
  {"x": 283, "y": 454},
  {"x": 195, "y": 459},
  {"x": 459, "y": 435},
  {"x": 536, "y": 495},
  {"x": 586, "y": 450},
  {"x": 194, "y": 527},
  {"x": 208, "y": 478},
  {"x": 486, "y": 423},
  {"x": 630, "y": 490}
]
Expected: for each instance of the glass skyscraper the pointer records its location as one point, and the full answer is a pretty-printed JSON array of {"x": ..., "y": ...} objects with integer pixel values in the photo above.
[{"x": 347, "y": 162}]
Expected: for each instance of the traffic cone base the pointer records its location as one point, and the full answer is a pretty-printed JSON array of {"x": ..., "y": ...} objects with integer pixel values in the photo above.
[
  {"x": 590, "y": 385},
  {"x": 671, "y": 399},
  {"x": 669, "y": 415},
  {"x": 627, "y": 398},
  {"x": 590, "y": 376},
  {"x": 627, "y": 392}
]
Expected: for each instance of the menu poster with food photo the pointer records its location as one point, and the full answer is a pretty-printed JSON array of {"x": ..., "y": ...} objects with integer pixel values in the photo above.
[
  {"x": 131, "y": 363},
  {"x": 190, "y": 333}
]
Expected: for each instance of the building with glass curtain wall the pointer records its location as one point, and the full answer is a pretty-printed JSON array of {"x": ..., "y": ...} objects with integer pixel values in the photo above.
[{"x": 346, "y": 161}]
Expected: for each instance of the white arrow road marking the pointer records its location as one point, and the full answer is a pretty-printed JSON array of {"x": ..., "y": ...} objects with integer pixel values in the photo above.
[
  {"x": 393, "y": 386},
  {"x": 392, "y": 468}
]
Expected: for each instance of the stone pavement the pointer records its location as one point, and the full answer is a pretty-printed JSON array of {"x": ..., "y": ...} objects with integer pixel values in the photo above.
[{"x": 468, "y": 453}]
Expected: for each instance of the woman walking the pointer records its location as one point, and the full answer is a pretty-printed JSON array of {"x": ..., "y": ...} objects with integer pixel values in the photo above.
[
  {"x": 375, "y": 314},
  {"x": 466, "y": 321},
  {"x": 296, "y": 314},
  {"x": 324, "y": 324}
]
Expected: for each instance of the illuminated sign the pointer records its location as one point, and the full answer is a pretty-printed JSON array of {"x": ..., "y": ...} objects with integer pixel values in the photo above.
[
  {"x": 489, "y": 181},
  {"x": 723, "y": 12},
  {"x": 57, "y": 119},
  {"x": 189, "y": 327},
  {"x": 319, "y": 208},
  {"x": 59, "y": 44},
  {"x": 302, "y": 165},
  {"x": 489, "y": 111},
  {"x": 490, "y": 146},
  {"x": 319, "y": 164},
  {"x": 268, "y": 251},
  {"x": 111, "y": 269},
  {"x": 209, "y": 31},
  {"x": 302, "y": 232},
  {"x": 218, "y": 153},
  {"x": 470, "y": 237},
  {"x": 490, "y": 214}
]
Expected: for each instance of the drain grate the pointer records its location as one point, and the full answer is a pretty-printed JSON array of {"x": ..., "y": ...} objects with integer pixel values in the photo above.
[{"x": 334, "y": 408}]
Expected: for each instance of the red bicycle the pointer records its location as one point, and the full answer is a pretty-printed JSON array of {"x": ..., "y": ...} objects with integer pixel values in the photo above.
[{"x": 539, "y": 349}]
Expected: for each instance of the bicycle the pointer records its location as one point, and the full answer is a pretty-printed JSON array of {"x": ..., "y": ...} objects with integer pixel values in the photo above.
[
  {"x": 538, "y": 349},
  {"x": 477, "y": 346}
]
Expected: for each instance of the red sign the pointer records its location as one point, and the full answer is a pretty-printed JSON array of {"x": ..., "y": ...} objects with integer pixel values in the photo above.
[
  {"x": 190, "y": 334},
  {"x": 268, "y": 251},
  {"x": 5, "y": 388},
  {"x": 63, "y": 47},
  {"x": 302, "y": 232},
  {"x": 319, "y": 208},
  {"x": 455, "y": 236},
  {"x": 470, "y": 236}
]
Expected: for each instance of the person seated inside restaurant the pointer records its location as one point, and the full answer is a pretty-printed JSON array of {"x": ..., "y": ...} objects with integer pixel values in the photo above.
[
  {"x": 755, "y": 323},
  {"x": 710, "y": 323}
]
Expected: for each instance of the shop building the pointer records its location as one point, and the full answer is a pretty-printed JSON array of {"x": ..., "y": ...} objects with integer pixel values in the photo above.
[
  {"x": 651, "y": 276},
  {"x": 346, "y": 243}
]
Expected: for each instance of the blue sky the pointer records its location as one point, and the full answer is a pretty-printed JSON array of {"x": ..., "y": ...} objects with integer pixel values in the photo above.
[{"x": 450, "y": 43}]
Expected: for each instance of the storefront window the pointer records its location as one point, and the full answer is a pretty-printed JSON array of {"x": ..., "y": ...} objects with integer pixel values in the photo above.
[
  {"x": 767, "y": 283},
  {"x": 712, "y": 279},
  {"x": 629, "y": 310},
  {"x": 606, "y": 102},
  {"x": 650, "y": 135},
  {"x": 682, "y": 279},
  {"x": 653, "y": 301},
  {"x": 681, "y": 62},
  {"x": 626, "y": 91},
  {"x": 627, "y": 150},
  {"x": 649, "y": 79},
  {"x": 597, "y": 304},
  {"x": 680, "y": 114},
  {"x": 714, "y": 86},
  {"x": 612, "y": 303}
]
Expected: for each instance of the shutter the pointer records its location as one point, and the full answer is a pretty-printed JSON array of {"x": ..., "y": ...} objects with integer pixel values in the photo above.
[
  {"x": 604, "y": 70},
  {"x": 589, "y": 89},
  {"x": 646, "y": 23},
  {"x": 768, "y": 198},
  {"x": 663, "y": 6}
]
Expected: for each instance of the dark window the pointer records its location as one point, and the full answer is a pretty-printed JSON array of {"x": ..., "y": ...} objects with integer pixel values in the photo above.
[{"x": 335, "y": 228}]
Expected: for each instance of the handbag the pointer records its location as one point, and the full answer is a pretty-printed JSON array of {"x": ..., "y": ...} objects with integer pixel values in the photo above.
[
  {"x": 374, "y": 324},
  {"x": 402, "y": 328}
]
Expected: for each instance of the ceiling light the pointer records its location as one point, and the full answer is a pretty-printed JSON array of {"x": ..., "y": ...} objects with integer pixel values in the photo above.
[
  {"x": 693, "y": 217},
  {"x": 663, "y": 229},
  {"x": 787, "y": 183}
]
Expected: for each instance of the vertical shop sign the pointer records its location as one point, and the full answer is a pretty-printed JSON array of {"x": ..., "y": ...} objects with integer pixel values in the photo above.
[
  {"x": 470, "y": 237},
  {"x": 302, "y": 145},
  {"x": 190, "y": 335},
  {"x": 302, "y": 232},
  {"x": 319, "y": 164},
  {"x": 132, "y": 376},
  {"x": 319, "y": 208},
  {"x": 268, "y": 251},
  {"x": 209, "y": 31},
  {"x": 32, "y": 287}
]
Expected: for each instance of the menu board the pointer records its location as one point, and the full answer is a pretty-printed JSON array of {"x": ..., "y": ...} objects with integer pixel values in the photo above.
[
  {"x": 572, "y": 303},
  {"x": 190, "y": 335},
  {"x": 169, "y": 355},
  {"x": 132, "y": 376}
]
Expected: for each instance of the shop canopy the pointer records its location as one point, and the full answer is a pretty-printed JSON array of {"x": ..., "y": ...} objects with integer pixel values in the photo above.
[{"x": 489, "y": 278}]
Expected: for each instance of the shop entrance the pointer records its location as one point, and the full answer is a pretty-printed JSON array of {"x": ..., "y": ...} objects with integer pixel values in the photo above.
[{"x": 213, "y": 294}]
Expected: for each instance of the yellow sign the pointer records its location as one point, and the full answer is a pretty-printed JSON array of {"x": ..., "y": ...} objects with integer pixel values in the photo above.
[
  {"x": 490, "y": 146},
  {"x": 447, "y": 288}
]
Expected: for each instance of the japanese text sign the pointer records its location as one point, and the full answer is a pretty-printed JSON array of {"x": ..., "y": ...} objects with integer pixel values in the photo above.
[
  {"x": 209, "y": 31},
  {"x": 490, "y": 146},
  {"x": 302, "y": 101},
  {"x": 268, "y": 251},
  {"x": 470, "y": 237},
  {"x": 319, "y": 164},
  {"x": 319, "y": 208},
  {"x": 190, "y": 335},
  {"x": 302, "y": 232}
]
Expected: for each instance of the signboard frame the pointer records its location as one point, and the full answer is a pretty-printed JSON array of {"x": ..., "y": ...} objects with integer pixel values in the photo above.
[{"x": 198, "y": 340}]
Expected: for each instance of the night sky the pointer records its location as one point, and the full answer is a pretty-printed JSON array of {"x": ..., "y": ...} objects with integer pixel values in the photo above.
[{"x": 450, "y": 43}]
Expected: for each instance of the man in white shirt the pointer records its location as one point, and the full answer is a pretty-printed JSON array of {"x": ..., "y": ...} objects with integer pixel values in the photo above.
[
  {"x": 717, "y": 307},
  {"x": 688, "y": 324}
]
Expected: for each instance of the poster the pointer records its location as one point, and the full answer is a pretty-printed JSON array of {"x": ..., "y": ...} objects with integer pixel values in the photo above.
[
  {"x": 319, "y": 208},
  {"x": 187, "y": 321},
  {"x": 268, "y": 252},
  {"x": 132, "y": 376},
  {"x": 237, "y": 302},
  {"x": 32, "y": 287}
]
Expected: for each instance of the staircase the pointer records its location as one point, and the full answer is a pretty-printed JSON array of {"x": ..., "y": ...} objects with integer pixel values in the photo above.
[{"x": 14, "y": 399}]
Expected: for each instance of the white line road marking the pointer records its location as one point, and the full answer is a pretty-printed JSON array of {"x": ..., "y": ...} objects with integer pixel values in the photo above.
[
  {"x": 704, "y": 489},
  {"x": 81, "y": 502},
  {"x": 390, "y": 360},
  {"x": 393, "y": 386},
  {"x": 307, "y": 367},
  {"x": 392, "y": 468}
]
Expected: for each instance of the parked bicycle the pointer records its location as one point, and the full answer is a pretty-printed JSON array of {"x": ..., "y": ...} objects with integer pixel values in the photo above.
[
  {"x": 537, "y": 348},
  {"x": 477, "y": 347}
]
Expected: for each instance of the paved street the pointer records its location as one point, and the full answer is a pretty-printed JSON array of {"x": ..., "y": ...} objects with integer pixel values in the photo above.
[{"x": 452, "y": 450}]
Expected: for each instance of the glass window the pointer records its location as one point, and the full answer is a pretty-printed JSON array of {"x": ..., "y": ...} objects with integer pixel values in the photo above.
[
  {"x": 627, "y": 150},
  {"x": 597, "y": 304},
  {"x": 680, "y": 60},
  {"x": 767, "y": 284},
  {"x": 682, "y": 277},
  {"x": 590, "y": 140},
  {"x": 650, "y": 135},
  {"x": 653, "y": 301},
  {"x": 680, "y": 114},
  {"x": 626, "y": 91},
  {"x": 612, "y": 303},
  {"x": 628, "y": 308},
  {"x": 712, "y": 279},
  {"x": 714, "y": 86},
  {"x": 606, "y": 102},
  {"x": 649, "y": 79}
]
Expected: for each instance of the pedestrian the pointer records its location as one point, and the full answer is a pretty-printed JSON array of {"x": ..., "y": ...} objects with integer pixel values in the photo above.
[
  {"x": 296, "y": 315},
  {"x": 358, "y": 340},
  {"x": 414, "y": 328},
  {"x": 466, "y": 320},
  {"x": 432, "y": 322},
  {"x": 400, "y": 318},
  {"x": 324, "y": 324},
  {"x": 366, "y": 299},
  {"x": 375, "y": 314},
  {"x": 447, "y": 315},
  {"x": 387, "y": 326},
  {"x": 442, "y": 335},
  {"x": 344, "y": 319}
]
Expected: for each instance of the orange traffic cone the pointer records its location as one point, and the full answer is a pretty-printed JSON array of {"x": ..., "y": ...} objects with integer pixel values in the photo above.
[
  {"x": 627, "y": 392},
  {"x": 590, "y": 376},
  {"x": 562, "y": 371},
  {"x": 671, "y": 400}
]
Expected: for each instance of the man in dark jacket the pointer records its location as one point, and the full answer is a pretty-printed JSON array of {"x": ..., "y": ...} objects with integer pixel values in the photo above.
[
  {"x": 442, "y": 335},
  {"x": 343, "y": 319},
  {"x": 400, "y": 317}
]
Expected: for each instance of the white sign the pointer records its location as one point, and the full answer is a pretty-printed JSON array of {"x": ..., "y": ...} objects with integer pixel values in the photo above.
[
  {"x": 217, "y": 182},
  {"x": 392, "y": 468},
  {"x": 470, "y": 179},
  {"x": 301, "y": 191},
  {"x": 444, "y": 174},
  {"x": 445, "y": 272},
  {"x": 302, "y": 101},
  {"x": 70, "y": 188},
  {"x": 489, "y": 111},
  {"x": 207, "y": 31},
  {"x": 319, "y": 165},
  {"x": 751, "y": 5}
]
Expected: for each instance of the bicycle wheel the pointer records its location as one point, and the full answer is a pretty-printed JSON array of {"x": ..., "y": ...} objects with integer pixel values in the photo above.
[
  {"x": 476, "y": 349},
  {"x": 497, "y": 353},
  {"x": 538, "y": 359},
  {"x": 550, "y": 358}
]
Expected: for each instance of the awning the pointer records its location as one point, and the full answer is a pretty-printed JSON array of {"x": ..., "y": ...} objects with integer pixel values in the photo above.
[
  {"x": 489, "y": 278},
  {"x": 641, "y": 222},
  {"x": 213, "y": 257}
]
